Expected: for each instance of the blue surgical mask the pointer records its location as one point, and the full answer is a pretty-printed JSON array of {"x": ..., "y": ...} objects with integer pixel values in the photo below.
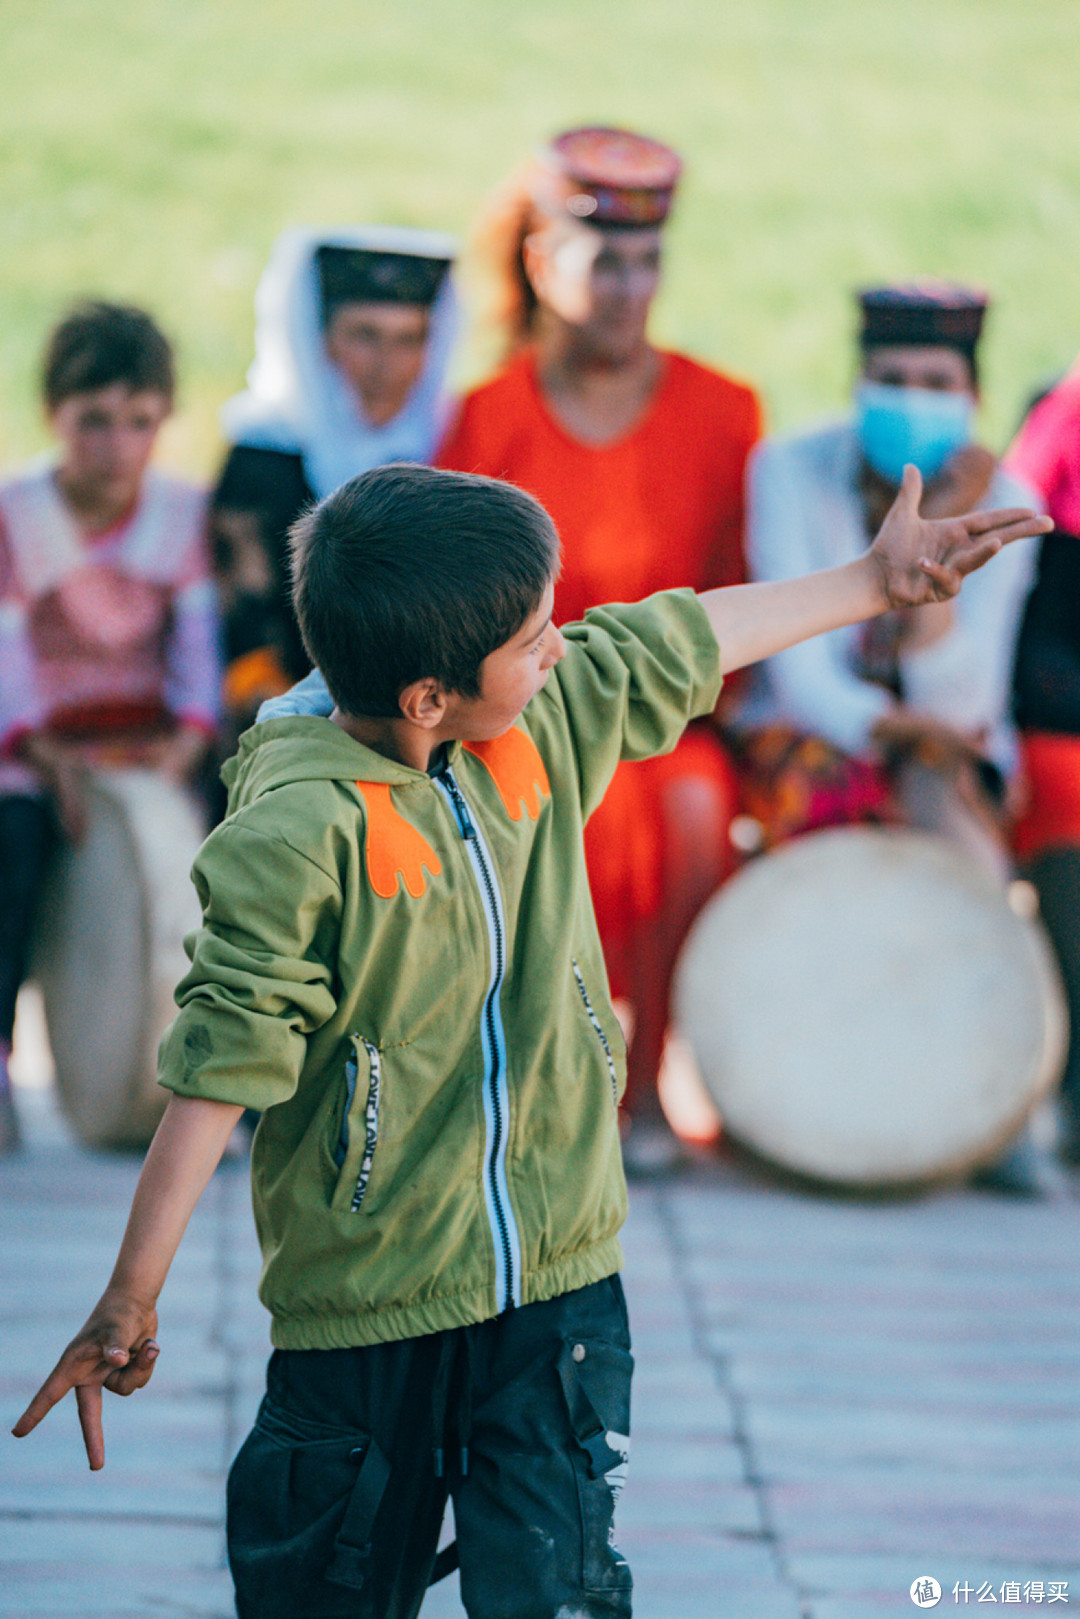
[{"x": 922, "y": 425}]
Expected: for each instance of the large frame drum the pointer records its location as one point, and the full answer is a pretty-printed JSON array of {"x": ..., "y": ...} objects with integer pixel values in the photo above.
[
  {"x": 868, "y": 1009},
  {"x": 109, "y": 951}
]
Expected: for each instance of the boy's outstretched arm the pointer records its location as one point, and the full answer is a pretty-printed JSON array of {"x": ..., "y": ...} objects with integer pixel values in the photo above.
[
  {"x": 116, "y": 1348},
  {"x": 912, "y": 561}
]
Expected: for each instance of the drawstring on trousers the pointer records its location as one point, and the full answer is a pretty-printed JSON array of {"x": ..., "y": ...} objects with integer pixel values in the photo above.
[{"x": 453, "y": 1384}]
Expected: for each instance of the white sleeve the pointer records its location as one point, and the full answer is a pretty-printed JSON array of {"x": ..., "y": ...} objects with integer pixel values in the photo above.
[{"x": 787, "y": 535}]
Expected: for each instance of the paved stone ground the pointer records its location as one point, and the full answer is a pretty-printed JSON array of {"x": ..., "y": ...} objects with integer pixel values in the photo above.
[{"x": 832, "y": 1398}]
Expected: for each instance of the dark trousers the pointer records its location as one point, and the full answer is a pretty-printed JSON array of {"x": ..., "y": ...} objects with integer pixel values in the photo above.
[
  {"x": 336, "y": 1498},
  {"x": 1056, "y": 875},
  {"x": 27, "y": 836}
]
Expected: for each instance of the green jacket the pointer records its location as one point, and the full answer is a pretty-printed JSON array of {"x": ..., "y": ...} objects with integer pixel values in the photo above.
[{"x": 402, "y": 972}]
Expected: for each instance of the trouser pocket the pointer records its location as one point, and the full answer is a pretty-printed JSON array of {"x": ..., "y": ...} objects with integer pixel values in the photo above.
[
  {"x": 301, "y": 1501},
  {"x": 595, "y": 1378}
]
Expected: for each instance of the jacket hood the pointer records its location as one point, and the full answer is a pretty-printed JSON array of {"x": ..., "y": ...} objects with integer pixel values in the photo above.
[{"x": 303, "y": 748}]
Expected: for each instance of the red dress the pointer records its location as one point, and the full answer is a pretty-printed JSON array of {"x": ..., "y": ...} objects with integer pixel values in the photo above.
[{"x": 658, "y": 508}]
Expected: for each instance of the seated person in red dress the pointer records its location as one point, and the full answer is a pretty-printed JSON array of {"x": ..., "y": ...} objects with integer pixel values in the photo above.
[
  {"x": 639, "y": 454},
  {"x": 354, "y": 329},
  {"x": 1047, "y": 454},
  {"x": 108, "y": 619}
]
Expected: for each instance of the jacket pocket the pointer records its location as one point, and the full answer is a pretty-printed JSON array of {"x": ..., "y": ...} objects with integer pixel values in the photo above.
[
  {"x": 358, "y": 1138},
  {"x": 302, "y": 1498},
  {"x": 598, "y": 1030},
  {"x": 595, "y": 1378}
]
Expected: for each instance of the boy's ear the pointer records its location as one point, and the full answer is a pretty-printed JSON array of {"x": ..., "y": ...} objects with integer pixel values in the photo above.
[{"x": 423, "y": 703}]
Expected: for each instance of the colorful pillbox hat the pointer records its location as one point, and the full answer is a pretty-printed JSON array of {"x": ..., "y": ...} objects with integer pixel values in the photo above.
[
  {"x": 609, "y": 177},
  {"x": 930, "y": 312}
]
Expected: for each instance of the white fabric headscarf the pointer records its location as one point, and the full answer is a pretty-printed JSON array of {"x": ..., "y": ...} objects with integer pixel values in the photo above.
[{"x": 299, "y": 402}]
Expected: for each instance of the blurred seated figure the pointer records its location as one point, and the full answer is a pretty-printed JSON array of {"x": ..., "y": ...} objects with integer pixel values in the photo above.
[
  {"x": 1047, "y": 701},
  {"x": 354, "y": 329},
  {"x": 108, "y": 620},
  {"x": 906, "y": 719},
  {"x": 640, "y": 456}
]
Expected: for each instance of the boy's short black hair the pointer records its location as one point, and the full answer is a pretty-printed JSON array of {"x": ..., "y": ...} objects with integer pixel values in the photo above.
[
  {"x": 98, "y": 344},
  {"x": 406, "y": 573}
]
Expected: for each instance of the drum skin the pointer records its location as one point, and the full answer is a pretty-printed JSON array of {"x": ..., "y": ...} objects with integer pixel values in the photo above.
[
  {"x": 109, "y": 952},
  {"x": 869, "y": 1011}
]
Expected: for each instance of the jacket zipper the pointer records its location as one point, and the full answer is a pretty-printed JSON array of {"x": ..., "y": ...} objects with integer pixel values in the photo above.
[
  {"x": 371, "y": 1125},
  {"x": 493, "y": 1043},
  {"x": 371, "y": 1117},
  {"x": 599, "y": 1027}
]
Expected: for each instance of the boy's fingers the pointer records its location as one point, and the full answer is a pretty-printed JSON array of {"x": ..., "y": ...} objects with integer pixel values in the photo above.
[
  {"x": 946, "y": 581},
  {"x": 971, "y": 557},
  {"x": 911, "y": 488},
  {"x": 88, "y": 1396},
  {"x": 136, "y": 1374},
  {"x": 74, "y": 1366},
  {"x": 1023, "y": 528},
  {"x": 1008, "y": 518}
]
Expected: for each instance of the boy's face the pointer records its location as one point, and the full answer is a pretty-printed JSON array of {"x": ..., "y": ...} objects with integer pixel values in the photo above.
[
  {"x": 509, "y": 677},
  {"x": 108, "y": 436}
]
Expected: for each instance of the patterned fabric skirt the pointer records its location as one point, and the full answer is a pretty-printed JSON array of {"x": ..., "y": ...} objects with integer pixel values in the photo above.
[{"x": 792, "y": 783}]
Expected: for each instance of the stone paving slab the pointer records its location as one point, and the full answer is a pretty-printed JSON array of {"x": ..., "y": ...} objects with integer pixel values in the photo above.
[{"x": 831, "y": 1398}]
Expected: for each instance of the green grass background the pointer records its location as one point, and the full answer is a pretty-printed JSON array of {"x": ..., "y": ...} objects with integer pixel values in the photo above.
[{"x": 152, "y": 149}]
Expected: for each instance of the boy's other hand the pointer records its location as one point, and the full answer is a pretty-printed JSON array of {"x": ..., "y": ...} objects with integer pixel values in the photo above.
[
  {"x": 115, "y": 1350},
  {"x": 921, "y": 560}
]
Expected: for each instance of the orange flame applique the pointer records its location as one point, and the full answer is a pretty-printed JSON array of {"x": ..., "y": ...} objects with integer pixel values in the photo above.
[
  {"x": 393, "y": 847},
  {"x": 517, "y": 771}
]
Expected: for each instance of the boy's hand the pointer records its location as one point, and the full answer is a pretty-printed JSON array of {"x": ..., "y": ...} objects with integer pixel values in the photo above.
[
  {"x": 115, "y": 1350},
  {"x": 920, "y": 560}
]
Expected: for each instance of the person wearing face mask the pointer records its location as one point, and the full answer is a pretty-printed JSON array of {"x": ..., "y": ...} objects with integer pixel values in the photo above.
[
  {"x": 354, "y": 329},
  {"x": 909, "y": 721},
  {"x": 640, "y": 456}
]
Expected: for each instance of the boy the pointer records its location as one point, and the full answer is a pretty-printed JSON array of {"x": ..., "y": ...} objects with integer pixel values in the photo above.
[
  {"x": 108, "y": 622},
  {"x": 400, "y": 967}
]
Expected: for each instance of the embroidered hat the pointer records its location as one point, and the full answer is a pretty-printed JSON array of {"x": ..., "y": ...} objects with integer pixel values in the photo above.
[
  {"x": 610, "y": 177},
  {"x": 925, "y": 312},
  {"x": 357, "y": 275}
]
